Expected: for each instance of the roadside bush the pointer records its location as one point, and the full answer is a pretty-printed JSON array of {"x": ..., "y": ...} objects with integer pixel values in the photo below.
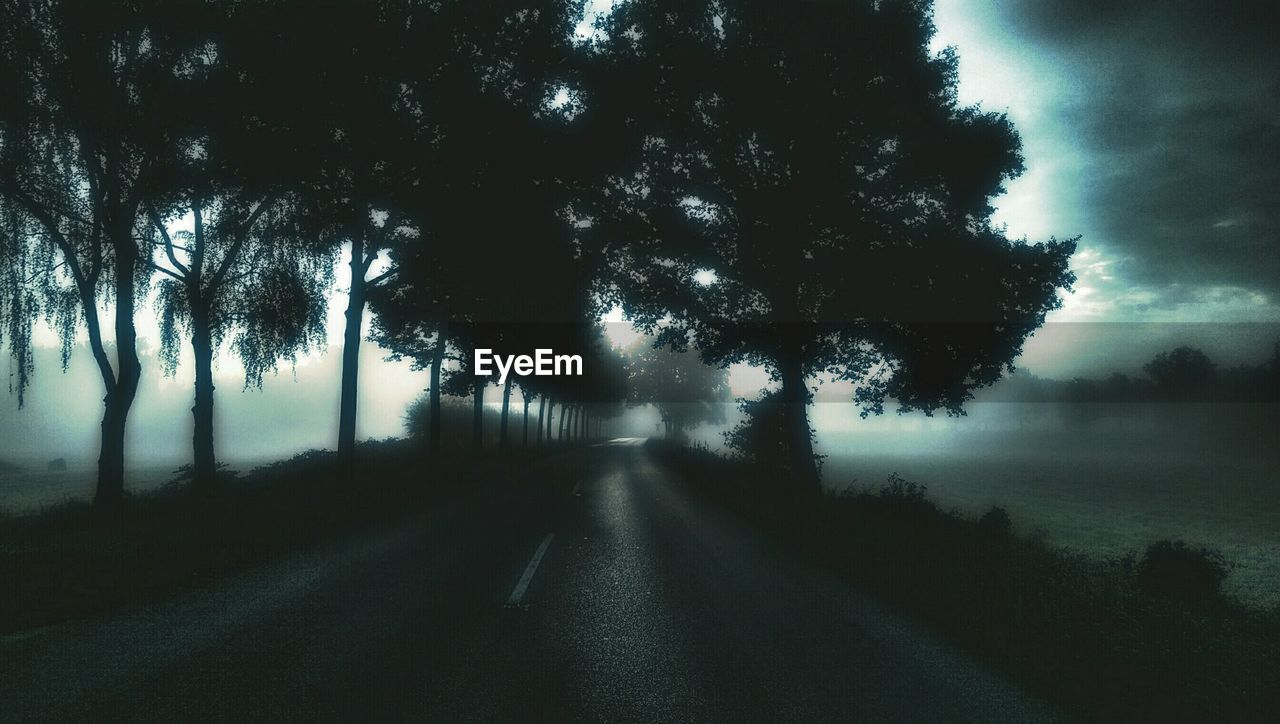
[
  {"x": 761, "y": 438},
  {"x": 995, "y": 523},
  {"x": 1174, "y": 570},
  {"x": 900, "y": 498}
]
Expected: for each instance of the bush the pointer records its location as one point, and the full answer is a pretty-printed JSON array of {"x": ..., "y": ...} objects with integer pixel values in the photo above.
[
  {"x": 761, "y": 438},
  {"x": 995, "y": 523},
  {"x": 1173, "y": 570},
  {"x": 898, "y": 489}
]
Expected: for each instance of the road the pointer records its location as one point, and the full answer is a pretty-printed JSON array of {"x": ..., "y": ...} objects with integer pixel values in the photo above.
[{"x": 600, "y": 591}]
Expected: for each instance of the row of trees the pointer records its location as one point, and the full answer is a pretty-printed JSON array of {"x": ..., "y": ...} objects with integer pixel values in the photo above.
[
  {"x": 495, "y": 179},
  {"x": 1182, "y": 374}
]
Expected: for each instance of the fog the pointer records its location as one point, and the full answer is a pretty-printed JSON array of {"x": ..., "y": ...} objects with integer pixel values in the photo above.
[
  {"x": 1106, "y": 479},
  {"x": 295, "y": 410}
]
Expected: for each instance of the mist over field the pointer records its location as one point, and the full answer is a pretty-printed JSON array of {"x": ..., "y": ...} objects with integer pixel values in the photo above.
[
  {"x": 1101, "y": 478},
  {"x": 60, "y": 419}
]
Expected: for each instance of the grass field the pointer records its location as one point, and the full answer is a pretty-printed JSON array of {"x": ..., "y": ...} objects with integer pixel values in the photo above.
[
  {"x": 1103, "y": 480},
  {"x": 1106, "y": 506}
]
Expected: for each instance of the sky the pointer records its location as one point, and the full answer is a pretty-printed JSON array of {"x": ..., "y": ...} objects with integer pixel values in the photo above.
[{"x": 1151, "y": 129}]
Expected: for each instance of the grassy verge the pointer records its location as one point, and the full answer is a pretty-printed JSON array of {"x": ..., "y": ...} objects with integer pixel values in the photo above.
[
  {"x": 1091, "y": 635},
  {"x": 75, "y": 560}
]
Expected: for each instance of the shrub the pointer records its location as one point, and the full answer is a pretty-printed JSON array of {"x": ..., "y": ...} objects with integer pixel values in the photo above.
[
  {"x": 761, "y": 438},
  {"x": 900, "y": 490},
  {"x": 995, "y": 523},
  {"x": 1175, "y": 571}
]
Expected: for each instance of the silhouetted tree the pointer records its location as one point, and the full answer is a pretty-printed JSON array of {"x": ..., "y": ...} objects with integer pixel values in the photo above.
[
  {"x": 325, "y": 100},
  {"x": 82, "y": 126},
  {"x": 814, "y": 199},
  {"x": 240, "y": 276},
  {"x": 1182, "y": 372},
  {"x": 499, "y": 256}
]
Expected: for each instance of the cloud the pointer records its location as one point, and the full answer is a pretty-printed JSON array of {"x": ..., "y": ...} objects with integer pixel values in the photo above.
[{"x": 1175, "y": 108}]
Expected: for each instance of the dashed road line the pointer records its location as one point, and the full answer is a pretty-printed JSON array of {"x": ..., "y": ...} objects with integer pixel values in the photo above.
[{"x": 517, "y": 594}]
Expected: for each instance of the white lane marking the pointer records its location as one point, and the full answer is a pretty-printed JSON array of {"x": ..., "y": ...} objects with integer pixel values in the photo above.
[{"x": 517, "y": 594}]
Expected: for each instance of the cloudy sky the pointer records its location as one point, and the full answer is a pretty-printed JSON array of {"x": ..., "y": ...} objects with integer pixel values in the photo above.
[{"x": 1152, "y": 129}]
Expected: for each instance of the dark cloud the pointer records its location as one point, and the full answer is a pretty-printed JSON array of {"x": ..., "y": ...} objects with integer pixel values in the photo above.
[{"x": 1176, "y": 106}]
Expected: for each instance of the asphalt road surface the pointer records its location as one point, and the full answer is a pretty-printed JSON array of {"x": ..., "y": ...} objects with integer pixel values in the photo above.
[{"x": 601, "y": 592}]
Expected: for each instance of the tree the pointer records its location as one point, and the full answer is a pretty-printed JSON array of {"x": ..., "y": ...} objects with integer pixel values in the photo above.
[
  {"x": 81, "y": 130},
  {"x": 510, "y": 180},
  {"x": 812, "y": 198},
  {"x": 1181, "y": 373},
  {"x": 325, "y": 99},
  {"x": 685, "y": 391},
  {"x": 240, "y": 274}
]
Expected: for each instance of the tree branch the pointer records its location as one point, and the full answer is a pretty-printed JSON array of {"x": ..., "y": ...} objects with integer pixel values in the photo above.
[
  {"x": 242, "y": 233},
  {"x": 170, "y": 272},
  {"x": 168, "y": 243},
  {"x": 383, "y": 277}
]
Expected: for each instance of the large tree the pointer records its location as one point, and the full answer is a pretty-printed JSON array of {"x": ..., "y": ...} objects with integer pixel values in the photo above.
[
  {"x": 82, "y": 126},
  {"x": 322, "y": 93},
  {"x": 241, "y": 274},
  {"x": 812, "y": 166}
]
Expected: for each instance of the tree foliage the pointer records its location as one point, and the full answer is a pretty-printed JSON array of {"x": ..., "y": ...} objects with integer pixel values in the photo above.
[
  {"x": 819, "y": 165},
  {"x": 686, "y": 391}
]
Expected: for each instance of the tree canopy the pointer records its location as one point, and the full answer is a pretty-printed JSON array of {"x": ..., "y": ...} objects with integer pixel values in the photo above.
[
  {"x": 797, "y": 188},
  {"x": 817, "y": 172}
]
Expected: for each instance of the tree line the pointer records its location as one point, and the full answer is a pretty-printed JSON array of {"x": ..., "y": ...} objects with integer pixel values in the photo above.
[
  {"x": 792, "y": 187},
  {"x": 1184, "y": 374}
]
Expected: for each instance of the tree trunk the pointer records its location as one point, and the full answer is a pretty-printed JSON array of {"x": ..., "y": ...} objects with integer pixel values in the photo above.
[
  {"x": 477, "y": 414},
  {"x": 542, "y": 411},
  {"x": 204, "y": 465},
  {"x": 111, "y": 451},
  {"x": 524, "y": 395},
  {"x": 506, "y": 406},
  {"x": 111, "y": 456},
  {"x": 351, "y": 336},
  {"x": 120, "y": 396},
  {"x": 437, "y": 360},
  {"x": 795, "y": 398}
]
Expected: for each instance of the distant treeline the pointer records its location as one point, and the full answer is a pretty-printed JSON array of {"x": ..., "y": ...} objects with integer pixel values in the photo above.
[{"x": 1185, "y": 374}]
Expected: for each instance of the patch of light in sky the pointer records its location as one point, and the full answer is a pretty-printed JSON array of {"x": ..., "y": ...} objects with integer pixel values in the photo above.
[
  {"x": 705, "y": 277},
  {"x": 995, "y": 74},
  {"x": 592, "y": 11},
  {"x": 618, "y": 329}
]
